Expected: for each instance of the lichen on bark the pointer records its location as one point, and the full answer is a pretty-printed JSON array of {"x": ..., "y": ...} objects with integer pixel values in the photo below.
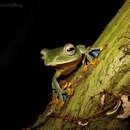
[{"x": 111, "y": 77}]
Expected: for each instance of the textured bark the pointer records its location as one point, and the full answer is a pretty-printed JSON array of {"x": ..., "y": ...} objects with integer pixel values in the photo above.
[{"x": 84, "y": 109}]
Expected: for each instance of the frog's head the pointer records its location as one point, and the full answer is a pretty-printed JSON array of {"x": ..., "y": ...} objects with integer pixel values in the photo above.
[{"x": 61, "y": 55}]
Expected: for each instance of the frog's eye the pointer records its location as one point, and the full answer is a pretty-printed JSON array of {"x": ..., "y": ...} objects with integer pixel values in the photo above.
[{"x": 70, "y": 50}]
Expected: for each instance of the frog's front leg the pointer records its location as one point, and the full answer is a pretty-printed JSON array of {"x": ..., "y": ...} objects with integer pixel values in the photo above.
[
  {"x": 55, "y": 95},
  {"x": 57, "y": 91}
]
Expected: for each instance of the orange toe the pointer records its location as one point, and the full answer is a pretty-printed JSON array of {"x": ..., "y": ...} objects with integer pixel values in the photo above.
[
  {"x": 55, "y": 101},
  {"x": 103, "y": 47},
  {"x": 89, "y": 47},
  {"x": 94, "y": 62},
  {"x": 85, "y": 68}
]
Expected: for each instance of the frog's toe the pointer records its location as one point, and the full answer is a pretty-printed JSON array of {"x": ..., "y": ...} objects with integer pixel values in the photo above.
[
  {"x": 89, "y": 47},
  {"x": 64, "y": 87},
  {"x": 103, "y": 47},
  {"x": 94, "y": 62},
  {"x": 70, "y": 91},
  {"x": 55, "y": 101},
  {"x": 70, "y": 88},
  {"x": 85, "y": 68}
]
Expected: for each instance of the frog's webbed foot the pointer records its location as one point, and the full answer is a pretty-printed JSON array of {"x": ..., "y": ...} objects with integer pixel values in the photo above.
[
  {"x": 93, "y": 62},
  {"x": 93, "y": 53},
  {"x": 67, "y": 90},
  {"x": 57, "y": 101}
]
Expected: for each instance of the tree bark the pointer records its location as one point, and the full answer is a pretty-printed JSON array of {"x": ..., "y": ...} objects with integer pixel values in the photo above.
[{"x": 97, "y": 90}]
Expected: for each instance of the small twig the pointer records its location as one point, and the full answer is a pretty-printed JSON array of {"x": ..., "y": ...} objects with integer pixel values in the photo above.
[{"x": 86, "y": 118}]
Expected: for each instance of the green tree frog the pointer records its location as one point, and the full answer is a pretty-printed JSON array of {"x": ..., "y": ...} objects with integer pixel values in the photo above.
[{"x": 66, "y": 59}]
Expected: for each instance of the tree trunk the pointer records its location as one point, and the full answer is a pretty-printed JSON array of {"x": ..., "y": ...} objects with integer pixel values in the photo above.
[{"x": 97, "y": 90}]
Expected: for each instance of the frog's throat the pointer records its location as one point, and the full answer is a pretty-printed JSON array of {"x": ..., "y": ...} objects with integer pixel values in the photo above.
[{"x": 67, "y": 68}]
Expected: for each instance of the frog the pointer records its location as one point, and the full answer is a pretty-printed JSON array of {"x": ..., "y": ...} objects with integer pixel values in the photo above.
[{"x": 66, "y": 59}]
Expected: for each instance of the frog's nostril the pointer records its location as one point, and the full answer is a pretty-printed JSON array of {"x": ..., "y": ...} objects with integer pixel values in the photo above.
[{"x": 42, "y": 55}]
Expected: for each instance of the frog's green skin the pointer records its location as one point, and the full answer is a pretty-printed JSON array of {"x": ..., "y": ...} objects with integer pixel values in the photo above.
[{"x": 65, "y": 59}]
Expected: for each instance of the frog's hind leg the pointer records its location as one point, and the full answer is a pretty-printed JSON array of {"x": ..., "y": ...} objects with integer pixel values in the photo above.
[{"x": 57, "y": 91}]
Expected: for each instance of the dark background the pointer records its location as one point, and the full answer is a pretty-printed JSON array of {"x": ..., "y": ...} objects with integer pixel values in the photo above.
[{"x": 24, "y": 93}]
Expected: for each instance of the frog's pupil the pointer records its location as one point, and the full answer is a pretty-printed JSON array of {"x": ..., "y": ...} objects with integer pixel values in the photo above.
[{"x": 70, "y": 49}]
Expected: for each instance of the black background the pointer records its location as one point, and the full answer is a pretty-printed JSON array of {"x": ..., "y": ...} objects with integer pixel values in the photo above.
[{"x": 24, "y": 93}]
